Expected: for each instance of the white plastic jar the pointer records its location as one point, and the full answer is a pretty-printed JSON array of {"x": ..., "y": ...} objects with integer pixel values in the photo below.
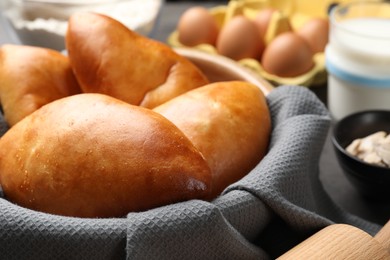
[{"x": 358, "y": 58}]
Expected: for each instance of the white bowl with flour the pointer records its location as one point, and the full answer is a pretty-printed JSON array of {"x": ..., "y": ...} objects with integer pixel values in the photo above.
[{"x": 44, "y": 22}]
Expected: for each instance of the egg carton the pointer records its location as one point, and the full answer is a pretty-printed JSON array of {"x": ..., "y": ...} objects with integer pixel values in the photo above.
[{"x": 295, "y": 12}]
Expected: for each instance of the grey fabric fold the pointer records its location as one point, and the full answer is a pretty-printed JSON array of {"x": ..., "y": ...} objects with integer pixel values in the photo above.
[{"x": 278, "y": 204}]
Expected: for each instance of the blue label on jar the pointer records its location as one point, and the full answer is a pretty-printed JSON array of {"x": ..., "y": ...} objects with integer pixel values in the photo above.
[{"x": 356, "y": 79}]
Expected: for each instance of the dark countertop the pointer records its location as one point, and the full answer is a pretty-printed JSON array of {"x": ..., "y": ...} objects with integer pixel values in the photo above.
[{"x": 331, "y": 175}]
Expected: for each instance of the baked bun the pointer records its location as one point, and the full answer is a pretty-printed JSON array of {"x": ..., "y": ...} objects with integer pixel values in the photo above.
[
  {"x": 229, "y": 122},
  {"x": 91, "y": 155},
  {"x": 32, "y": 77},
  {"x": 109, "y": 58}
]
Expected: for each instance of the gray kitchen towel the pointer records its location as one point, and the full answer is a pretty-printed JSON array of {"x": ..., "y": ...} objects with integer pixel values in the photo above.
[{"x": 277, "y": 205}]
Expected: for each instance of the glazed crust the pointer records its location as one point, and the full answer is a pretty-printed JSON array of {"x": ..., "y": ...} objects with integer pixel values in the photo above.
[
  {"x": 32, "y": 77},
  {"x": 229, "y": 122},
  {"x": 91, "y": 155},
  {"x": 109, "y": 58}
]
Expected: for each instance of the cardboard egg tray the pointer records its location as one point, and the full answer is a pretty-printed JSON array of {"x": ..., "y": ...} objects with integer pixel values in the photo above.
[{"x": 297, "y": 12}]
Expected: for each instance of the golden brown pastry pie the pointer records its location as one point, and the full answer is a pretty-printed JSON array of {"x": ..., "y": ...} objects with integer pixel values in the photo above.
[
  {"x": 229, "y": 122},
  {"x": 109, "y": 58},
  {"x": 91, "y": 155},
  {"x": 32, "y": 77}
]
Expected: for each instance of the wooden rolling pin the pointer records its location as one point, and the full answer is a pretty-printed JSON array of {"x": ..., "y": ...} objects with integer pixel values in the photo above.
[{"x": 340, "y": 241}]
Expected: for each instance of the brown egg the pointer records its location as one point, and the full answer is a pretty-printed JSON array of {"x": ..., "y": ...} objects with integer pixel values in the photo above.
[
  {"x": 197, "y": 26},
  {"x": 262, "y": 20},
  {"x": 288, "y": 55},
  {"x": 316, "y": 33},
  {"x": 240, "y": 39}
]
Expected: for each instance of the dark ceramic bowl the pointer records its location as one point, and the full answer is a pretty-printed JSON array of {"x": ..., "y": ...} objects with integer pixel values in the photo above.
[{"x": 371, "y": 180}]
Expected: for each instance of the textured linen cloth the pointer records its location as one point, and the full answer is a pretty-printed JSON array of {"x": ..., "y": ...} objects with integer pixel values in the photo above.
[{"x": 277, "y": 205}]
